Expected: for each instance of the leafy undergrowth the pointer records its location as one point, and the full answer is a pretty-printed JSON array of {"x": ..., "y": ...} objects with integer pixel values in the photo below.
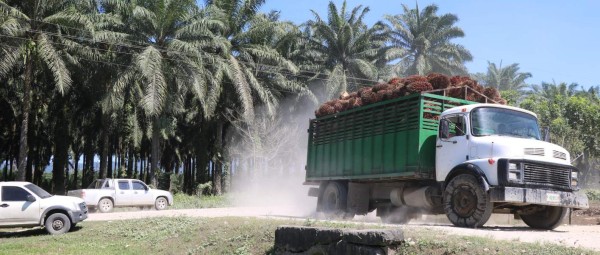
[
  {"x": 183, "y": 201},
  {"x": 234, "y": 235}
]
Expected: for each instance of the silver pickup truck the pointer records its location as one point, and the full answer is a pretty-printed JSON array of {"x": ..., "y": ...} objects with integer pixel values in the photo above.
[
  {"x": 105, "y": 194},
  {"x": 23, "y": 204}
]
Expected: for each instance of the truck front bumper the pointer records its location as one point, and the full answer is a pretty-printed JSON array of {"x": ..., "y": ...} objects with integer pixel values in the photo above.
[
  {"x": 79, "y": 216},
  {"x": 575, "y": 200}
]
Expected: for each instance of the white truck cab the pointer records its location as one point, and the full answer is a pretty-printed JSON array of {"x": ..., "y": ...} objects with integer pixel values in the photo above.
[{"x": 517, "y": 170}]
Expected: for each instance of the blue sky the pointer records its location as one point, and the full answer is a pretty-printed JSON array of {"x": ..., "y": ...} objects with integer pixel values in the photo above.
[{"x": 553, "y": 40}]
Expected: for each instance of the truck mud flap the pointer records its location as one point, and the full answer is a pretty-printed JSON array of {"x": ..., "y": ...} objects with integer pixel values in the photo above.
[{"x": 575, "y": 200}]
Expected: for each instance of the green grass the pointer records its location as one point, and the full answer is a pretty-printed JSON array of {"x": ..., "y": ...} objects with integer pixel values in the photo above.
[
  {"x": 184, "y": 235},
  {"x": 183, "y": 201}
]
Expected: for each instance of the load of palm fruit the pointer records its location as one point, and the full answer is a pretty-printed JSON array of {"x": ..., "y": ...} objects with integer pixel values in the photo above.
[{"x": 462, "y": 87}]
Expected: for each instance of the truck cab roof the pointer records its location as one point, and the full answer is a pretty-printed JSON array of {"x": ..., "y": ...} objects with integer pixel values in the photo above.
[{"x": 469, "y": 108}]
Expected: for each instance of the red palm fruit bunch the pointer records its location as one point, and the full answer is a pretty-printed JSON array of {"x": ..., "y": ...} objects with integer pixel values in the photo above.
[
  {"x": 368, "y": 97},
  {"x": 414, "y": 78},
  {"x": 380, "y": 86},
  {"x": 491, "y": 92},
  {"x": 397, "y": 87},
  {"x": 325, "y": 109},
  {"x": 396, "y": 81},
  {"x": 439, "y": 81},
  {"x": 398, "y": 90},
  {"x": 419, "y": 86}
]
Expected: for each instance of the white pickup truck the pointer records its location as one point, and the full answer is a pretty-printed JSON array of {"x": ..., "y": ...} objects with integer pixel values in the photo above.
[
  {"x": 23, "y": 204},
  {"x": 105, "y": 194}
]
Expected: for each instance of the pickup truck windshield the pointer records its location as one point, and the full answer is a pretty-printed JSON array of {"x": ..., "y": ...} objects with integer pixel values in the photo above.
[
  {"x": 487, "y": 121},
  {"x": 38, "y": 191}
]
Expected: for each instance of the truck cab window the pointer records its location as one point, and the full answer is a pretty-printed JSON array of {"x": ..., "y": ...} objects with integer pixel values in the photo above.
[
  {"x": 123, "y": 185},
  {"x": 14, "y": 194},
  {"x": 456, "y": 126},
  {"x": 138, "y": 186}
]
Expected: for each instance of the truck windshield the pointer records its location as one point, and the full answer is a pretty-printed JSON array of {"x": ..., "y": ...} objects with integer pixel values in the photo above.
[
  {"x": 38, "y": 191},
  {"x": 487, "y": 121}
]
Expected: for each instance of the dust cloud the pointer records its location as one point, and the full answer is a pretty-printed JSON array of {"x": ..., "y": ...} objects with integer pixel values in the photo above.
[{"x": 269, "y": 157}]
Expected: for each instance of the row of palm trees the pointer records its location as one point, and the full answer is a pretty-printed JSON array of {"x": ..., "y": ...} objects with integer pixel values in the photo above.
[{"x": 151, "y": 87}]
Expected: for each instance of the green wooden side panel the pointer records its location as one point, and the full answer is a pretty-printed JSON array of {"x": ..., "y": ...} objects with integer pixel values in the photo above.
[{"x": 388, "y": 140}]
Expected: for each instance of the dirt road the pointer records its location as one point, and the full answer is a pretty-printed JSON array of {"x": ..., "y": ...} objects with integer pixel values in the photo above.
[{"x": 568, "y": 235}]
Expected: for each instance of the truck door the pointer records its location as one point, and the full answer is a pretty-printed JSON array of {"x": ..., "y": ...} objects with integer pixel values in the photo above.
[
  {"x": 452, "y": 146},
  {"x": 124, "y": 194},
  {"x": 15, "y": 209},
  {"x": 142, "y": 193}
]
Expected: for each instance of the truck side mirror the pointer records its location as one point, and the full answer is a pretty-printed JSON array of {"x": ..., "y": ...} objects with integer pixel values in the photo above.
[
  {"x": 30, "y": 198},
  {"x": 444, "y": 129}
]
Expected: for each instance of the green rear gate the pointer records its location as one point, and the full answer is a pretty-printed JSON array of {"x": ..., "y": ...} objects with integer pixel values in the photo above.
[{"x": 394, "y": 139}]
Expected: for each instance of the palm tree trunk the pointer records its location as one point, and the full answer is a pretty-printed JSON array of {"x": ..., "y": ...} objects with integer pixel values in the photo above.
[
  {"x": 130, "y": 161},
  {"x": 104, "y": 149},
  {"x": 218, "y": 162},
  {"x": 22, "y": 163},
  {"x": 61, "y": 152},
  {"x": 76, "y": 168},
  {"x": 155, "y": 153}
]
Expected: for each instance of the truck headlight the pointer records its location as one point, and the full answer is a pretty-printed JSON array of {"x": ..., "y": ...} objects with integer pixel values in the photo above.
[
  {"x": 514, "y": 172},
  {"x": 574, "y": 179}
]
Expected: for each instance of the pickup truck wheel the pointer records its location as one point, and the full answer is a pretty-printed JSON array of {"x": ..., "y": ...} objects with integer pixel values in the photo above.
[
  {"x": 161, "y": 203},
  {"x": 57, "y": 223},
  {"x": 334, "y": 201},
  {"x": 466, "y": 203},
  {"x": 549, "y": 217},
  {"x": 105, "y": 205}
]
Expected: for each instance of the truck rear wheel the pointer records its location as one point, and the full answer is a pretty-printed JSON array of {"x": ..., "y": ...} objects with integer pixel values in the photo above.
[
  {"x": 550, "y": 217},
  {"x": 105, "y": 205},
  {"x": 334, "y": 199},
  {"x": 466, "y": 203}
]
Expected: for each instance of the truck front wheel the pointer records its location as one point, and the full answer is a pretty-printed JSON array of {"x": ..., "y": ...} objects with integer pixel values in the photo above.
[
  {"x": 334, "y": 200},
  {"x": 548, "y": 217},
  {"x": 466, "y": 203},
  {"x": 57, "y": 223}
]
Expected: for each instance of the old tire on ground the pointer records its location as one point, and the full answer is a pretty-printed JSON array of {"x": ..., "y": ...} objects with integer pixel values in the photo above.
[
  {"x": 57, "y": 223},
  {"x": 548, "y": 218},
  {"x": 161, "y": 203},
  {"x": 105, "y": 205},
  {"x": 334, "y": 199},
  {"x": 395, "y": 215},
  {"x": 466, "y": 203}
]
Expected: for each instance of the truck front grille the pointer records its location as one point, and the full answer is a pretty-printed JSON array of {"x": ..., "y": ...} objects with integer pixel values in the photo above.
[{"x": 547, "y": 175}]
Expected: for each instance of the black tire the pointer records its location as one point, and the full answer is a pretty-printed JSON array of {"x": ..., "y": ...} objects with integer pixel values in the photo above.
[
  {"x": 466, "y": 203},
  {"x": 334, "y": 199},
  {"x": 161, "y": 203},
  {"x": 57, "y": 223},
  {"x": 550, "y": 217},
  {"x": 105, "y": 205}
]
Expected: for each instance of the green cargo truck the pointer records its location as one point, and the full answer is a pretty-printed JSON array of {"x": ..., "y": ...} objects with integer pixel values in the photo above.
[{"x": 431, "y": 154}]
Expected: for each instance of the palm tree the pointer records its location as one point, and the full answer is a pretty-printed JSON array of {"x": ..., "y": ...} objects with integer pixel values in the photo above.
[
  {"x": 345, "y": 49},
  {"x": 166, "y": 39},
  {"x": 504, "y": 78},
  {"x": 33, "y": 39},
  {"x": 426, "y": 39},
  {"x": 252, "y": 67}
]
